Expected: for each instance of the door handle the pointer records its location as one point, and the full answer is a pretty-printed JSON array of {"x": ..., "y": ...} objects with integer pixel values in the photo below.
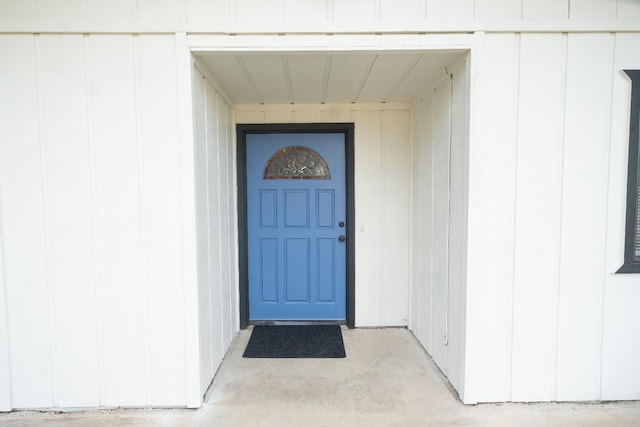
[{"x": 342, "y": 238}]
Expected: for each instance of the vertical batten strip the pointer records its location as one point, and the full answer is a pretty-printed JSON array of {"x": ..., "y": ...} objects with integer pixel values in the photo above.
[
  {"x": 94, "y": 218},
  {"x": 139, "y": 138},
  {"x": 45, "y": 211}
]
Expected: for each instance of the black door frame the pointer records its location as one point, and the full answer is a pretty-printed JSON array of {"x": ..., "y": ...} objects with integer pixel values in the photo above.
[{"x": 242, "y": 130}]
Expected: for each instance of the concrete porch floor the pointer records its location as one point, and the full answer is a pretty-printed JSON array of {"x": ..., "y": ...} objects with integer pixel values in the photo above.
[{"x": 386, "y": 380}]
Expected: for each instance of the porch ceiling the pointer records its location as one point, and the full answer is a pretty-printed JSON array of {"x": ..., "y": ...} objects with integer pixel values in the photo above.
[{"x": 326, "y": 77}]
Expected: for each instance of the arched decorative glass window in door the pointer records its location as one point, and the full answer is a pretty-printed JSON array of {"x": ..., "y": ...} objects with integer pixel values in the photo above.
[{"x": 296, "y": 162}]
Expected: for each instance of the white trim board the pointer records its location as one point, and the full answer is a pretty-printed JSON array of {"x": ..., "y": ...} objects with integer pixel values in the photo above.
[
  {"x": 324, "y": 43},
  {"x": 251, "y": 27}
]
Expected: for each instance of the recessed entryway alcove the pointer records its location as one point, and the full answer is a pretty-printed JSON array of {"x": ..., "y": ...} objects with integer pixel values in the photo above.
[{"x": 408, "y": 98}]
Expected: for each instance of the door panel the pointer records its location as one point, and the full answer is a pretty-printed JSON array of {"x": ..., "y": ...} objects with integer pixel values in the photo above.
[
  {"x": 269, "y": 270},
  {"x": 296, "y": 208},
  {"x": 326, "y": 276},
  {"x": 296, "y": 264}
]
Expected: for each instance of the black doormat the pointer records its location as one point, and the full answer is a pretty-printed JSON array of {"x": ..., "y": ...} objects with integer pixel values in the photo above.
[{"x": 295, "y": 341}]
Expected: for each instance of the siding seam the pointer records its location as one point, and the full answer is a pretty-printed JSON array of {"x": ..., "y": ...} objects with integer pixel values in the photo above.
[
  {"x": 224, "y": 220},
  {"x": 134, "y": 10},
  {"x": 137, "y": 76},
  {"x": 411, "y": 242},
  {"x": 94, "y": 215},
  {"x": 234, "y": 322},
  {"x": 516, "y": 134},
  {"x": 432, "y": 207},
  {"x": 47, "y": 236},
  {"x": 381, "y": 212},
  {"x": 606, "y": 218},
  {"x": 233, "y": 248},
  {"x": 218, "y": 228},
  {"x": 564, "y": 62},
  {"x": 210, "y": 283}
]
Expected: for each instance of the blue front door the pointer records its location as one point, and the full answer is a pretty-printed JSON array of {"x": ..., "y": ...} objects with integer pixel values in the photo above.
[{"x": 296, "y": 217}]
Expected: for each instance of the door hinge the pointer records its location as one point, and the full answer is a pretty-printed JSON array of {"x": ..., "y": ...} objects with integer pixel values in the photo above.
[{"x": 445, "y": 339}]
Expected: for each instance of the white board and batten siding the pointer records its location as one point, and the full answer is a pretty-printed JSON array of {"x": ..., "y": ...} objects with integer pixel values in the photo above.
[
  {"x": 92, "y": 222},
  {"x": 439, "y": 197},
  {"x": 547, "y": 317},
  {"x": 508, "y": 245},
  {"x": 216, "y": 225},
  {"x": 382, "y": 182}
]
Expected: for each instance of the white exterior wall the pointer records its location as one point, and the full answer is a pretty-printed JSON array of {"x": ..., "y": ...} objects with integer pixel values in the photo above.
[
  {"x": 547, "y": 317},
  {"x": 98, "y": 294},
  {"x": 438, "y": 223},
  {"x": 382, "y": 182},
  {"x": 95, "y": 224},
  {"x": 216, "y": 225}
]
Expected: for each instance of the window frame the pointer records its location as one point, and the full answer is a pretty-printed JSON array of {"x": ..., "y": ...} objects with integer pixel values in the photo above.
[{"x": 632, "y": 229}]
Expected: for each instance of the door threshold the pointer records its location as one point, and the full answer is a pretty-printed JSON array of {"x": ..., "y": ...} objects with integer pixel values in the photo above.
[{"x": 297, "y": 322}]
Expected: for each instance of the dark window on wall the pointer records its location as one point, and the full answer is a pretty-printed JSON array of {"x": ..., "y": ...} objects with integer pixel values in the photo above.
[{"x": 632, "y": 230}]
